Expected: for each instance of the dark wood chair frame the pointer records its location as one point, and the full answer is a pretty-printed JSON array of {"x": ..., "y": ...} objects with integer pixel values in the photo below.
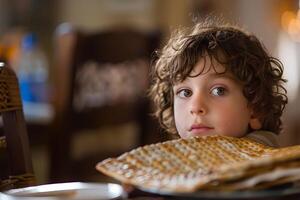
[
  {"x": 72, "y": 50},
  {"x": 15, "y": 139}
]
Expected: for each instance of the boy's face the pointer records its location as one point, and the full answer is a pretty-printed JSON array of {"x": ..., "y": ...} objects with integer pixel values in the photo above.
[{"x": 211, "y": 104}]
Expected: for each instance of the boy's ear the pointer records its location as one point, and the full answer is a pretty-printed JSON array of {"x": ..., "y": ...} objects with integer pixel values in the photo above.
[{"x": 255, "y": 123}]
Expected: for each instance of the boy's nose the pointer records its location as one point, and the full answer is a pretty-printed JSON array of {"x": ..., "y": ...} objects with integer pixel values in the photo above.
[
  {"x": 198, "y": 111},
  {"x": 198, "y": 106}
]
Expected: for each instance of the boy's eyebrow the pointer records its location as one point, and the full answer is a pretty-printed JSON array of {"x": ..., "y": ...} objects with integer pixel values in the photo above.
[
  {"x": 223, "y": 75},
  {"x": 219, "y": 75}
]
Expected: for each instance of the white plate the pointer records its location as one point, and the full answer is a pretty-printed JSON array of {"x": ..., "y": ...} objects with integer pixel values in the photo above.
[
  {"x": 72, "y": 191},
  {"x": 278, "y": 193}
]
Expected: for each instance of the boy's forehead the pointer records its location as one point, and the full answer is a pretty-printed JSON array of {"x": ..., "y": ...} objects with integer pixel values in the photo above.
[
  {"x": 208, "y": 64},
  {"x": 212, "y": 68}
]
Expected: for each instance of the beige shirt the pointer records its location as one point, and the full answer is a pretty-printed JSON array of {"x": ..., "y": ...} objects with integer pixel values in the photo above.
[{"x": 264, "y": 137}]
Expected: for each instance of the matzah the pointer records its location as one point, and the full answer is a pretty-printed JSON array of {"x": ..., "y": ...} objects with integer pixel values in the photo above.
[{"x": 209, "y": 162}]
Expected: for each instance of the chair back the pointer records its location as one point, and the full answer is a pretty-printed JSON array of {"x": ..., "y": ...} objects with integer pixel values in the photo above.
[
  {"x": 102, "y": 81},
  {"x": 14, "y": 141}
]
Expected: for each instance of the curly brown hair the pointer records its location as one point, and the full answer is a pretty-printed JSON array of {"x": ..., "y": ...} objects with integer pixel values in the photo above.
[{"x": 240, "y": 52}]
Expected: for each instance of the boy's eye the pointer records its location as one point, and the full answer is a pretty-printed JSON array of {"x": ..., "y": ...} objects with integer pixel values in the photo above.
[
  {"x": 218, "y": 91},
  {"x": 184, "y": 93}
]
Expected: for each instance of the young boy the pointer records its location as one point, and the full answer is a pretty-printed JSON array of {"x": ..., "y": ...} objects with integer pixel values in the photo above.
[{"x": 217, "y": 79}]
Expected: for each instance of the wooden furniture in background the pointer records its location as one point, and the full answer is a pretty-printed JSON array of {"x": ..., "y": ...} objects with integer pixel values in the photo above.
[
  {"x": 113, "y": 55},
  {"x": 16, "y": 164}
]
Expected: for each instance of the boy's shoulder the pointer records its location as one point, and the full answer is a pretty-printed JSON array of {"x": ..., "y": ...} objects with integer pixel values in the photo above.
[{"x": 264, "y": 137}]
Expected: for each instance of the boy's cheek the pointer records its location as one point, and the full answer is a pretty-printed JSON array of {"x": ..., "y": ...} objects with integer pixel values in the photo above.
[{"x": 180, "y": 126}]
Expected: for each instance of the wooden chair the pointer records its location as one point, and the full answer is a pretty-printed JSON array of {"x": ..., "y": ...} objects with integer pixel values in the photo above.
[
  {"x": 123, "y": 53},
  {"x": 14, "y": 145}
]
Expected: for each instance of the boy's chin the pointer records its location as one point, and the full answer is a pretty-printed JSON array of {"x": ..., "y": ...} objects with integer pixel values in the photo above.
[{"x": 199, "y": 134}]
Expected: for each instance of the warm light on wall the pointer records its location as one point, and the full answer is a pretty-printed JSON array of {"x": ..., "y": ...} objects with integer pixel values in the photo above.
[
  {"x": 288, "y": 51},
  {"x": 290, "y": 22}
]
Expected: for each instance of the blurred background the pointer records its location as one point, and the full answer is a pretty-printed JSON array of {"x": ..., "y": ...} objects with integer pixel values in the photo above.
[{"x": 67, "y": 52}]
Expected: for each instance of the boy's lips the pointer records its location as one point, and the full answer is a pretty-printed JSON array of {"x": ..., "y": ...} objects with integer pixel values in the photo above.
[{"x": 199, "y": 129}]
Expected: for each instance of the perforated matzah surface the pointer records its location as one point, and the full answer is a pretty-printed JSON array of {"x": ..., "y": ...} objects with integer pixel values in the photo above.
[{"x": 185, "y": 165}]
